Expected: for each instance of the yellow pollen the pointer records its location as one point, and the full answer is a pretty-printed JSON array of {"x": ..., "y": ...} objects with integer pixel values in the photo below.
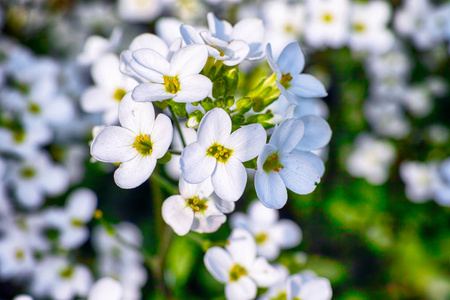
[
  {"x": 327, "y": 18},
  {"x": 119, "y": 94},
  {"x": 237, "y": 272},
  {"x": 359, "y": 27},
  {"x": 219, "y": 152},
  {"x": 172, "y": 84},
  {"x": 285, "y": 79},
  {"x": 197, "y": 205},
  {"x": 143, "y": 145}
]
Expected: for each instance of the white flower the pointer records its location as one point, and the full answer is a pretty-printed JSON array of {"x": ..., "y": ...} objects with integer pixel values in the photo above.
[
  {"x": 36, "y": 177},
  {"x": 421, "y": 180},
  {"x": 387, "y": 118},
  {"x": 16, "y": 255},
  {"x": 368, "y": 27},
  {"x": 278, "y": 168},
  {"x": 96, "y": 46},
  {"x": 287, "y": 69},
  {"x": 270, "y": 234},
  {"x": 306, "y": 286},
  {"x": 71, "y": 220},
  {"x": 178, "y": 79},
  {"x": 327, "y": 23},
  {"x": 219, "y": 154},
  {"x": 238, "y": 267},
  {"x": 418, "y": 101},
  {"x": 58, "y": 278},
  {"x": 23, "y": 297},
  {"x": 371, "y": 159},
  {"x": 106, "y": 288},
  {"x": 196, "y": 209},
  {"x": 143, "y": 11},
  {"x": 137, "y": 145},
  {"x": 109, "y": 89}
]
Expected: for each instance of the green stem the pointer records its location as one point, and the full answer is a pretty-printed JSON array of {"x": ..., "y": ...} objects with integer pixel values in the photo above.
[
  {"x": 175, "y": 152},
  {"x": 177, "y": 124},
  {"x": 164, "y": 183}
]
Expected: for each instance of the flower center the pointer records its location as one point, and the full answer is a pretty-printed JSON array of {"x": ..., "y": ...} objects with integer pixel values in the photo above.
[
  {"x": 261, "y": 238},
  {"x": 28, "y": 172},
  {"x": 66, "y": 273},
  {"x": 119, "y": 94},
  {"x": 327, "y": 18},
  {"x": 281, "y": 296},
  {"x": 19, "y": 254},
  {"x": 219, "y": 152},
  {"x": 285, "y": 79},
  {"x": 197, "y": 204},
  {"x": 172, "y": 84},
  {"x": 143, "y": 145},
  {"x": 237, "y": 272},
  {"x": 34, "y": 108},
  {"x": 359, "y": 27},
  {"x": 77, "y": 223},
  {"x": 272, "y": 163}
]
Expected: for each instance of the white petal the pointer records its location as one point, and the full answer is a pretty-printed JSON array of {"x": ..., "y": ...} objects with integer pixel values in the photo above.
[
  {"x": 215, "y": 127},
  {"x": 263, "y": 273},
  {"x": 161, "y": 136},
  {"x": 150, "y": 41},
  {"x": 74, "y": 237},
  {"x": 271, "y": 61},
  {"x": 270, "y": 189},
  {"x": 201, "y": 190},
  {"x": 219, "y": 28},
  {"x": 137, "y": 117},
  {"x": 150, "y": 91},
  {"x": 242, "y": 247},
  {"x": 286, "y": 233},
  {"x": 105, "y": 72},
  {"x": 188, "y": 60},
  {"x": 134, "y": 172},
  {"x": 237, "y": 51},
  {"x": 95, "y": 99},
  {"x": 177, "y": 215},
  {"x": 55, "y": 180},
  {"x": 291, "y": 59},
  {"x": 190, "y": 35},
  {"x": 193, "y": 88},
  {"x": 81, "y": 204},
  {"x": 317, "y": 133},
  {"x": 243, "y": 289},
  {"x": 247, "y": 142},
  {"x": 208, "y": 222},
  {"x": 195, "y": 164},
  {"x": 287, "y": 135},
  {"x": 299, "y": 174},
  {"x": 229, "y": 179},
  {"x": 251, "y": 31},
  {"x": 152, "y": 60},
  {"x": 133, "y": 68},
  {"x": 314, "y": 159},
  {"x": 219, "y": 263},
  {"x": 260, "y": 214},
  {"x": 106, "y": 288},
  {"x": 114, "y": 144},
  {"x": 307, "y": 86}
]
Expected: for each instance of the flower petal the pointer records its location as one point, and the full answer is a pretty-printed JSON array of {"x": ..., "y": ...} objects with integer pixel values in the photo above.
[
  {"x": 134, "y": 172},
  {"x": 270, "y": 189},
  {"x": 287, "y": 135},
  {"x": 286, "y": 233},
  {"x": 219, "y": 263},
  {"x": 317, "y": 133},
  {"x": 314, "y": 159},
  {"x": 114, "y": 144},
  {"x": 193, "y": 88},
  {"x": 190, "y": 35},
  {"x": 215, "y": 127},
  {"x": 152, "y": 60},
  {"x": 237, "y": 51},
  {"x": 271, "y": 61},
  {"x": 195, "y": 164},
  {"x": 229, "y": 179},
  {"x": 135, "y": 116},
  {"x": 242, "y": 247},
  {"x": 251, "y": 31},
  {"x": 260, "y": 214},
  {"x": 188, "y": 60},
  {"x": 81, "y": 204},
  {"x": 202, "y": 190},
  {"x": 177, "y": 214},
  {"x": 150, "y": 92},
  {"x": 299, "y": 174},
  {"x": 291, "y": 59},
  {"x": 150, "y": 41},
  {"x": 161, "y": 135},
  {"x": 247, "y": 142},
  {"x": 243, "y": 289},
  {"x": 219, "y": 28},
  {"x": 263, "y": 273},
  {"x": 307, "y": 86}
]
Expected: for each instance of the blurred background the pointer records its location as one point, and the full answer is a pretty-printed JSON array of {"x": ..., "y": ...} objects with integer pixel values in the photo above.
[{"x": 378, "y": 224}]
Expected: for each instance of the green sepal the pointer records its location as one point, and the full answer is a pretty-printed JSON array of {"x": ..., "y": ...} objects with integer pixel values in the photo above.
[
  {"x": 207, "y": 104},
  {"x": 161, "y": 104},
  {"x": 179, "y": 109},
  {"x": 229, "y": 101},
  {"x": 166, "y": 158},
  {"x": 231, "y": 78},
  {"x": 219, "y": 88},
  {"x": 238, "y": 119},
  {"x": 250, "y": 164},
  {"x": 244, "y": 104}
]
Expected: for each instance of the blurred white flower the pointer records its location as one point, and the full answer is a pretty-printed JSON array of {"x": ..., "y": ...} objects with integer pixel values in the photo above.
[
  {"x": 270, "y": 234},
  {"x": 371, "y": 159},
  {"x": 96, "y": 46},
  {"x": 421, "y": 180},
  {"x": 144, "y": 11},
  {"x": 106, "y": 288}
]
